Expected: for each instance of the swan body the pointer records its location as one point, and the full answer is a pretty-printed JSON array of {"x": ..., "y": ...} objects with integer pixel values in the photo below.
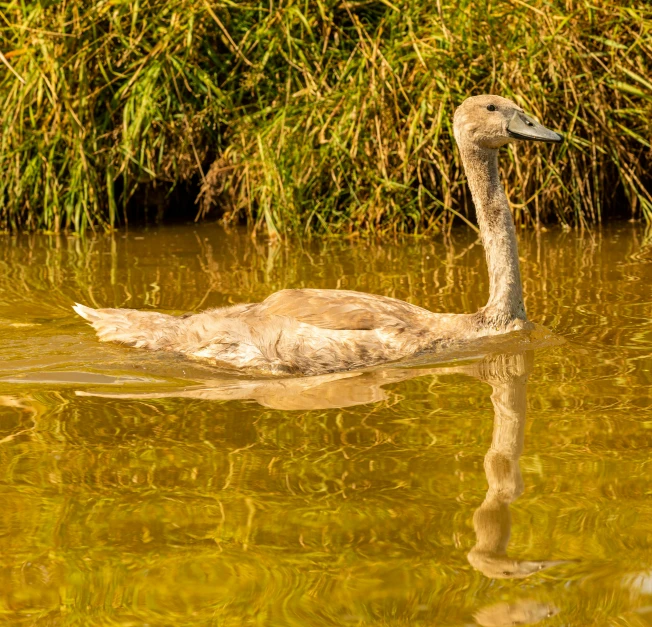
[
  {"x": 312, "y": 331},
  {"x": 302, "y": 331}
]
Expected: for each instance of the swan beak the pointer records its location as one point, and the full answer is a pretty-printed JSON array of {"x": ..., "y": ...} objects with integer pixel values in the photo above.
[{"x": 523, "y": 127}]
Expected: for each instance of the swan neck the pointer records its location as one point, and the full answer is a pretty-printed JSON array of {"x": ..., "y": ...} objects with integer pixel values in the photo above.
[{"x": 498, "y": 236}]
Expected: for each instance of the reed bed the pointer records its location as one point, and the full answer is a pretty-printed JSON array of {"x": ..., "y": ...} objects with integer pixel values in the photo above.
[{"x": 320, "y": 116}]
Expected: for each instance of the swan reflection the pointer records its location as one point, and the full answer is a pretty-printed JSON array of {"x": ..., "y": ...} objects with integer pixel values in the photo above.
[
  {"x": 521, "y": 612},
  {"x": 507, "y": 375},
  {"x": 330, "y": 391}
]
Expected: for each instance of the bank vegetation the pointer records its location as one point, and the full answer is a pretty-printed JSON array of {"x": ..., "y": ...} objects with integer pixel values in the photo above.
[{"x": 315, "y": 116}]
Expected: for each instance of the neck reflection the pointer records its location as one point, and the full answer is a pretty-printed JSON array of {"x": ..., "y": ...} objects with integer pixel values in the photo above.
[
  {"x": 507, "y": 374},
  {"x": 492, "y": 521}
]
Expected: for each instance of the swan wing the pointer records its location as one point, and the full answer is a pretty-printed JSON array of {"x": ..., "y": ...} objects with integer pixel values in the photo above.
[{"x": 342, "y": 309}]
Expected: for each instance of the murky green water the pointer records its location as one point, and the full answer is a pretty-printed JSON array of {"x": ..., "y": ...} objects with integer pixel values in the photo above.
[{"x": 141, "y": 489}]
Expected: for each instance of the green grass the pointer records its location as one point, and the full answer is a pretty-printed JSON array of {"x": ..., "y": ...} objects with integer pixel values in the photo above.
[{"x": 327, "y": 116}]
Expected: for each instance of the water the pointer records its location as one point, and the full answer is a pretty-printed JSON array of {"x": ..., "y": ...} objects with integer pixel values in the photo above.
[{"x": 506, "y": 485}]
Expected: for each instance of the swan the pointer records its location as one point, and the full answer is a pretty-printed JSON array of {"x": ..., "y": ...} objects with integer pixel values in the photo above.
[{"x": 314, "y": 331}]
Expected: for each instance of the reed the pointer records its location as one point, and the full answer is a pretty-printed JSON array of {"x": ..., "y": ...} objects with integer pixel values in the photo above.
[{"x": 321, "y": 116}]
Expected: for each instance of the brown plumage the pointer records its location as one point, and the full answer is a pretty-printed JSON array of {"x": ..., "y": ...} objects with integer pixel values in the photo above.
[
  {"x": 291, "y": 332},
  {"x": 351, "y": 388},
  {"x": 313, "y": 331}
]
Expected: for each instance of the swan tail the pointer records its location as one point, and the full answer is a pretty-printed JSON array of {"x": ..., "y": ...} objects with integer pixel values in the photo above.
[{"x": 141, "y": 329}]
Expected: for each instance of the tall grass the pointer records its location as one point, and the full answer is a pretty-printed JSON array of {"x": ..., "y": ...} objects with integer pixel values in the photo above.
[{"x": 315, "y": 115}]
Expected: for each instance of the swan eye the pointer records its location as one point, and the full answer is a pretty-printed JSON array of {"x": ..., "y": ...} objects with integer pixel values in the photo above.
[{"x": 491, "y": 107}]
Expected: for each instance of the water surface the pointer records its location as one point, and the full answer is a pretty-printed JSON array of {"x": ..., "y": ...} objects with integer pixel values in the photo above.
[{"x": 507, "y": 484}]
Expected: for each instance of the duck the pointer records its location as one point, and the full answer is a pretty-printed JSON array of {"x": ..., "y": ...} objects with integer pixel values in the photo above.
[{"x": 321, "y": 331}]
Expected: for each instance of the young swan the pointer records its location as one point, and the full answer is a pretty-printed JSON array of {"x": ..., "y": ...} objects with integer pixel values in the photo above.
[{"x": 312, "y": 331}]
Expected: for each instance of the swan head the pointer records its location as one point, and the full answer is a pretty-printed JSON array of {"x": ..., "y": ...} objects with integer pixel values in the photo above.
[{"x": 492, "y": 121}]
